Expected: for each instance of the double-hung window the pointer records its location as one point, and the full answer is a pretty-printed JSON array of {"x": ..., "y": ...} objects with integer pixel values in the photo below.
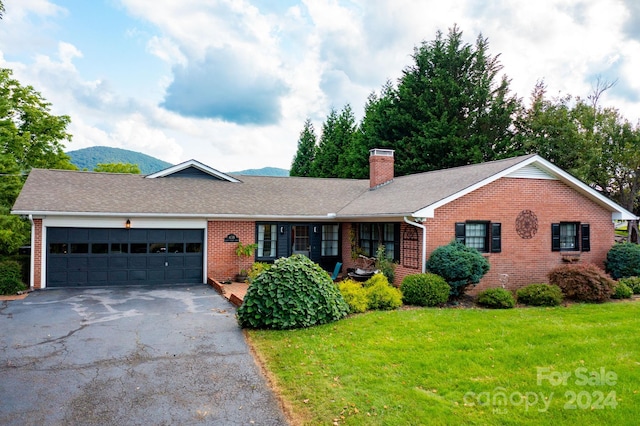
[
  {"x": 481, "y": 235},
  {"x": 372, "y": 235},
  {"x": 330, "y": 240},
  {"x": 570, "y": 236},
  {"x": 267, "y": 241}
]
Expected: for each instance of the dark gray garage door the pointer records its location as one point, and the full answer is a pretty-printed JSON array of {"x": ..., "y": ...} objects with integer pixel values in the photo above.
[{"x": 116, "y": 257}]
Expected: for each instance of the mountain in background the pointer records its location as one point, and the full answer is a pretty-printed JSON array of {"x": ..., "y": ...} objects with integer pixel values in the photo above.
[
  {"x": 88, "y": 158},
  {"x": 265, "y": 171}
]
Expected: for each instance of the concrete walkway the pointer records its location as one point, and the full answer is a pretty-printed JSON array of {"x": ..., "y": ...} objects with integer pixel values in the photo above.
[{"x": 129, "y": 356}]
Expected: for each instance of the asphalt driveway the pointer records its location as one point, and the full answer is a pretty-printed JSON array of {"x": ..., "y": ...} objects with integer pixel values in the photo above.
[{"x": 128, "y": 356}]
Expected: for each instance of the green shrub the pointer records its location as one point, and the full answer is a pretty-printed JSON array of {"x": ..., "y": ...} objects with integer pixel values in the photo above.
[
  {"x": 496, "y": 298},
  {"x": 633, "y": 283},
  {"x": 424, "y": 290},
  {"x": 355, "y": 295},
  {"x": 540, "y": 295},
  {"x": 459, "y": 265},
  {"x": 381, "y": 295},
  {"x": 256, "y": 269},
  {"x": 295, "y": 292},
  {"x": 585, "y": 282},
  {"x": 621, "y": 291},
  {"x": 378, "y": 278},
  {"x": 623, "y": 260},
  {"x": 11, "y": 277}
]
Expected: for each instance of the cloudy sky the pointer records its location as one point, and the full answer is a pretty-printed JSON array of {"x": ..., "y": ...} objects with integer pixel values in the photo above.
[{"x": 230, "y": 82}]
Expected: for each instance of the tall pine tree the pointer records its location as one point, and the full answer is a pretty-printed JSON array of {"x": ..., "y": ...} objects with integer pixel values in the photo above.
[
  {"x": 335, "y": 142},
  {"x": 306, "y": 152},
  {"x": 450, "y": 108}
]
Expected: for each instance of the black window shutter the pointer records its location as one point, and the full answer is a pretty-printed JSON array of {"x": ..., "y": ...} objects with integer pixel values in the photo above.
[
  {"x": 496, "y": 238},
  {"x": 555, "y": 237},
  {"x": 460, "y": 231},
  {"x": 585, "y": 235},
  {"x": 396, "y": 242}
]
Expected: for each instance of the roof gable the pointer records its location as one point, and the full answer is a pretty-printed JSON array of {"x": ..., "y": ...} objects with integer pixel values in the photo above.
[
  {"x": 192, "y": 169},
  {"x": 533, "y": 167}
]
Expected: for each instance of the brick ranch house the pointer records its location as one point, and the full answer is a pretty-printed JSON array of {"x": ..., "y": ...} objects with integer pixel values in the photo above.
[{"x": 183, "y": 224}]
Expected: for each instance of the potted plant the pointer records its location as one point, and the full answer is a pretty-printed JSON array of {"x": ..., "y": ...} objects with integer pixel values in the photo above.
[{"x": 244, "y": 251}]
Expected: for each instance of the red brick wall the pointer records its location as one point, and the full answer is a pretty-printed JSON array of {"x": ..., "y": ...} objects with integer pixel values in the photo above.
[
  {"x": 222, "y": 261},
  {"x": 525, "y": 261},
  {"x": 36, "y": 253}
]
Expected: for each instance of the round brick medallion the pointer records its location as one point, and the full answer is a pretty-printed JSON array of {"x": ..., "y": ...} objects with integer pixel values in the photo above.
[{"x": 527, "y": 224}]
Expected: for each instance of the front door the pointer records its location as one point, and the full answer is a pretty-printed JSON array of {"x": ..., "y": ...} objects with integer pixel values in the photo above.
[{"x": 301, "y": 241}]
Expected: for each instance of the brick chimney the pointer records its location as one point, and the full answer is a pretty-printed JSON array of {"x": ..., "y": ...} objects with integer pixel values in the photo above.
[{"x": 380, "y": 167}]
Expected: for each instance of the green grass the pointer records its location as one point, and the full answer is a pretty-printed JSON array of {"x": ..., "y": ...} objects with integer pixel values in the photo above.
[{"x": 439, "y": 366}]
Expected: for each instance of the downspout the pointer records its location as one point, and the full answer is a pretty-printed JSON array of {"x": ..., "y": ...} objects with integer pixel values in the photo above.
[
  {"x": 32, "y": 257},
  {"x": 424, "y": 240}
]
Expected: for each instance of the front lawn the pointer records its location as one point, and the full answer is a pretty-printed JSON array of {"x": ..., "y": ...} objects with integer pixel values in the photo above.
[{"x": 566, "y": 365}]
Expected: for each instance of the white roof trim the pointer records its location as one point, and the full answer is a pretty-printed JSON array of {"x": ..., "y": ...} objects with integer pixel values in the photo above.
[
  {"x": 617, "y": 212},
  {"x": 195, "y": 164}
]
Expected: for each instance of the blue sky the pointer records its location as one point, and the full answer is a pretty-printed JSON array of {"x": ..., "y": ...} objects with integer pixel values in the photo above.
[{"x": 230, "y": 82}]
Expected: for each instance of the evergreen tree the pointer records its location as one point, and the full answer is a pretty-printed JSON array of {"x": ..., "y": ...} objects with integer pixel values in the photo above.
[
  {"x": 448, "y": 109},
  {"x": 306, "y": 153},
  {"x": 337, "y": 134}
]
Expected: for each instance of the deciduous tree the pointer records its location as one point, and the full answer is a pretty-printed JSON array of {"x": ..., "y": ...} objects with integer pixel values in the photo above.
[{"x": 30, "y": 136}]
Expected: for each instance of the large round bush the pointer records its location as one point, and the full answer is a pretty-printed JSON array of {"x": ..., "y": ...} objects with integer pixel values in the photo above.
[
  {"x": 380, "y": 294},
  {"x": 295, "y": 292},
  {"x": 623, "y": 260},
  {"x": 459, "y": 265},
  {"x": 355, "y": 295},
  {"x": 496, "y": 298},
  {"x": 424, "y": 290},
  {"x": 633, "y": 283},
  {"x": 540, "y": 295},
  {"x": 584, "y": 282}
]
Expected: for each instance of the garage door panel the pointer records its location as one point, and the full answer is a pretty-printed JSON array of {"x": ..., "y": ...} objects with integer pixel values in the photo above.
[
  {"x": 175, "y": 261},
  {"x": 77, "y": 277},
  {"x": 192, "y": 275},
  {"x": 98, "y": 234},
  {"x": 138, "y": 275},
  {"x": 57, "y": 278},
  {"x": 99, "y": 262},
  {"x": 137, "y": 262},
  {"x": 118, "y": 276},
  {"x": 192, "y": 262},
  {"x": 118, "y": 262},
  {"x": 100, "y": 257},
  {"x": 78, "y": 234},
  {"x": 75, "y": 262},
  {"x": 98, "y": 277},
  {"x": 58, "y": 263}
]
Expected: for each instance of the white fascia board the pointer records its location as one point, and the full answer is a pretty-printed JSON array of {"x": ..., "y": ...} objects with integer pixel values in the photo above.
[
  {"x": 192, "y": 163},
  {"x": 119, "y": 222},
  {"x": 617, "y": 212}
]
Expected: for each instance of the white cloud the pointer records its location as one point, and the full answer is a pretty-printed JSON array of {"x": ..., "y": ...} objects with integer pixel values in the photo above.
[{"x": 298, "y": 63}]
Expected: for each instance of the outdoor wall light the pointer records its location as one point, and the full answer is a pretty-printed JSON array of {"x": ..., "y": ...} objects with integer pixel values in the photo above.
[
  {"x": 282, "y": 229},
  {"x": 128, "y": 224}
]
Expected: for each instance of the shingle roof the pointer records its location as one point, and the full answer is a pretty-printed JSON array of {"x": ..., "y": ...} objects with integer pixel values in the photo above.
[{"x": 74, "y": 192}]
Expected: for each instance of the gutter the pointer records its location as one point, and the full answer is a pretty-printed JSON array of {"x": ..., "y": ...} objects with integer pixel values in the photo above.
[
  {"x": 417, "y": 222},
  {"x": 32, "y": 257}
]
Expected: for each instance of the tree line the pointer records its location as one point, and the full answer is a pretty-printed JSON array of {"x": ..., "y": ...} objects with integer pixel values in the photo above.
[{"x": 453, "y": 106}]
